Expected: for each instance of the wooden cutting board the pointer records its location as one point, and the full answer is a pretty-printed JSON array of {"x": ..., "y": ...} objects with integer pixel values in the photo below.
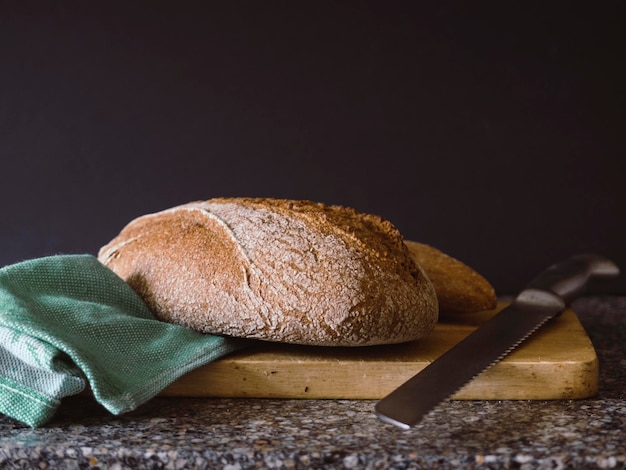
[{"x": 558, "y": 362}]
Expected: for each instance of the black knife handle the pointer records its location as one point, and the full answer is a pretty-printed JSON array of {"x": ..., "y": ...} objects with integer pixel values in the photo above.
[{"x": 569, "y": 279}]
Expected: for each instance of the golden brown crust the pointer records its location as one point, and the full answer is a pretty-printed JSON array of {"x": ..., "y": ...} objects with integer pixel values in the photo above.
[
  {"x": 277, "y": 270},
  {"x": 459, "y": 288}
]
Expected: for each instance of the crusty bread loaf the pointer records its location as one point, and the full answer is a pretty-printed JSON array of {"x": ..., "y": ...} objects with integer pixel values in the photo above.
[
  {"x": 460, "y": 289},
  {"x": 276, "y": 270}
]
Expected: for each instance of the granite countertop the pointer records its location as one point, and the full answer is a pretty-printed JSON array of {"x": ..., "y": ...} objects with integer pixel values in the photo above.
[{"x": 263, "y": 433}]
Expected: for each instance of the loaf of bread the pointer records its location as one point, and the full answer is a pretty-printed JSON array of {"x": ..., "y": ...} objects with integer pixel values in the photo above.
[
  {"x": 459, "y": 288},
  {"x": 276, "y": 270}
]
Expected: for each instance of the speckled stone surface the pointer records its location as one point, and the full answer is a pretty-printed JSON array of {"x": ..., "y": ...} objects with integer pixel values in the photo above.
[{"x": 245, "y": 433}]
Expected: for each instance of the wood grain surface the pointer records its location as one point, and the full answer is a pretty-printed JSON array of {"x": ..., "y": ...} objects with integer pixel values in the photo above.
[{"x": 557, "y": 362}]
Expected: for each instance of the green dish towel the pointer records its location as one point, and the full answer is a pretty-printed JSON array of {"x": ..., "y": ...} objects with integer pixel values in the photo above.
[{"x": 67, "y": 320}]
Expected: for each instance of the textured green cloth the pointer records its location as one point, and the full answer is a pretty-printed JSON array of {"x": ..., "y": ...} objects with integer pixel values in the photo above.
[{"x": 67, "y": 320}]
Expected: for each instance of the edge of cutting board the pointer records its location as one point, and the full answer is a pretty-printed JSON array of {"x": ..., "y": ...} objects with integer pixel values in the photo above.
[{"x": 557, "y": 362}]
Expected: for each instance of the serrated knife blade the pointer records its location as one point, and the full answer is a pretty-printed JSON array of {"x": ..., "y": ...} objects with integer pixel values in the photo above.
[{"x": 544, "y": 298}]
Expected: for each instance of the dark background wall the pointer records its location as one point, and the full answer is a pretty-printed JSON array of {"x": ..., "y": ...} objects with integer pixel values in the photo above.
[{"x": 494, "y": 131}]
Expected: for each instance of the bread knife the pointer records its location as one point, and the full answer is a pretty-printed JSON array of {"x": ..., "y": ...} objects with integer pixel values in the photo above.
[{"x": 543, "y": 299}]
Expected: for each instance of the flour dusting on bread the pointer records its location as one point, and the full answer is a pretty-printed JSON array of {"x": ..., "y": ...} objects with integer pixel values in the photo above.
[{"x": 277, "y": 270}]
